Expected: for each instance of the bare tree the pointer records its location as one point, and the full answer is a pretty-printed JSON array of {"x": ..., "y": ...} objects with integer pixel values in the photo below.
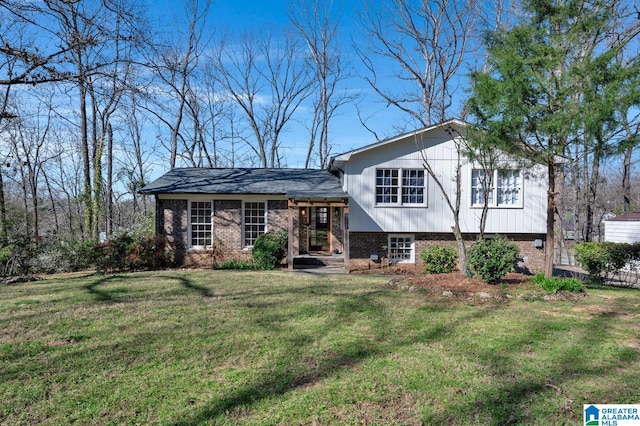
[
  {"x": 313, "y": 19},
  {"x": 267, "y": 81},
  {"x": 175, "y": 64},
  {"x": 426, "y": 44},
  {"x": 29, "y": 139},
  {"x": 135, "y": 156}
]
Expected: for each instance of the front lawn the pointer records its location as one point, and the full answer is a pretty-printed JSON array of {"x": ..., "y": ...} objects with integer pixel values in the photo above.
[{"x": 228, "y": 347}]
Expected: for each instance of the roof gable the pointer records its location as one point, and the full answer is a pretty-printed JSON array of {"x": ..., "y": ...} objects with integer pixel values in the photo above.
[
  {"x": 296, "y": 183},
  {"x": 454, "y": 124}
]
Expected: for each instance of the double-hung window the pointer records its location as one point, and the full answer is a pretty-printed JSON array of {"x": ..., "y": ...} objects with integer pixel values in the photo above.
[
  {"x": 400, "y": 186},
  {"x": 481, "y": 187},
  {"x": 254, "y": 221},
  {"x": 503, "y": 188},
  {"x": 509, "y": 188},
  {"x": 200, "y": 224}
]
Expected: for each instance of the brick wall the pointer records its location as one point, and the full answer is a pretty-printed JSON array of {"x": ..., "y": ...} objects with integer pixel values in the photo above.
[
  {"x": 172, "y": 218},
  {"x": 227, "y": 224},
  {"x": 364, "y": 244},
  {"x": 278, "y": 215}
]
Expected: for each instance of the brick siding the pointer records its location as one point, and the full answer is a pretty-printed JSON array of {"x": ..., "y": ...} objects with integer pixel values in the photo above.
[
  {"x": 172, "y": 222},
  {"x": 364, "y": 244}
]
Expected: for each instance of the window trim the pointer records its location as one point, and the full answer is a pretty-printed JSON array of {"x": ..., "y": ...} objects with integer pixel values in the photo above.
[
  {"x": 412, "y": 257},
  {"x": 191, "y": 246},
  {"x": 493, "y": 203},
  {"x": 243, "y": 223},
  {"x": 400, "y": 188}
]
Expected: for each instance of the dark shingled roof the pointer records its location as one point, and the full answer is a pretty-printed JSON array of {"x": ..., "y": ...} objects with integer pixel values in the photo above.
[
  {"x": 626, "y": 217},
  {"x": 293, "y": 183}
]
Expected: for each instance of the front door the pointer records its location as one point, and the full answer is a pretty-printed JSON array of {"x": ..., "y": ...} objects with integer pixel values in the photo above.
[{"x": 319, "y": 227}]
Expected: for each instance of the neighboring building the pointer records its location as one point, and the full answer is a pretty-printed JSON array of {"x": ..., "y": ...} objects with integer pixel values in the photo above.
[
  {"x": 376, "y": 201},
  {"x": 624, "y": 228}
]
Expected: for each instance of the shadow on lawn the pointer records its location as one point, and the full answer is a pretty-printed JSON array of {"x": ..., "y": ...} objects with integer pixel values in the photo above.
[
  {"x": 504, "y": 400},
  {"x": 507, "y": 399},
  {"x": 297, "y": 366},
  {"x": 100, "y": 294},
  {"x": 115, "y": 295}
]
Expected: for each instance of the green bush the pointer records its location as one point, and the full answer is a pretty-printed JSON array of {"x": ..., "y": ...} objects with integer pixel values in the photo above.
[
  {"x": 602, "y": 260},
  {"x": 493, "y": 259},
  {"x": 439, "y": 259},
  {"x": 556, "y": 284},
  {"x": 269, "y": 249}
]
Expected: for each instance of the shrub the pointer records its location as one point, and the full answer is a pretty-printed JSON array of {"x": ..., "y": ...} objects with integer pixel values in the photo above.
[
  {"x": 555, "y": 284},
  {"x": 493, "y": 259},
  {"x": 64, "y": 256},
  {"x": 269, "y": 249},
  {"x": 128, "y": 252},
  {"x": 16, "y": 258},
  {"x": 602, "y": 260},
  {"x": 439, "y": 259}
]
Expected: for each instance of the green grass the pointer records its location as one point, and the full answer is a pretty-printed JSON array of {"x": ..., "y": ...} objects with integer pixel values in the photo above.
[{"x": 260, "y": 348}]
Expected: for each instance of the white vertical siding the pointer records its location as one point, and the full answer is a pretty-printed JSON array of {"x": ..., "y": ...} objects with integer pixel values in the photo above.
[{"x": 365, "y": 216}]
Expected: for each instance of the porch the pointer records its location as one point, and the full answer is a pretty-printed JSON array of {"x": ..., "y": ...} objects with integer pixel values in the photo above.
[{"x": 318, "y": 234}]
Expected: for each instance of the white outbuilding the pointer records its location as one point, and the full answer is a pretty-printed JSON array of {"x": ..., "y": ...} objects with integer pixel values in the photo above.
[{"x": 624, "y": 228}]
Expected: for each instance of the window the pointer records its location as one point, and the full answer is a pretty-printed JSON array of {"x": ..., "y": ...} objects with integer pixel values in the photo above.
[
  {"x": 480, "y": 179},
  {"x": 505, "y": 191},
  {"x": 390, "y": 189},
  {"x": 386, "y": 186},
  {"x": 509, "y": 188},
  {"x": 401, "y": 249},
  {"x": 413, "y": 187},
  {"x": 200, "y": 214},
  {"x": 254, "y": 221}
]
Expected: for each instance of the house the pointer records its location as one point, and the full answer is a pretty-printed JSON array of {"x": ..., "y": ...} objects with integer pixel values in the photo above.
[{"x": 371, "y": 203}]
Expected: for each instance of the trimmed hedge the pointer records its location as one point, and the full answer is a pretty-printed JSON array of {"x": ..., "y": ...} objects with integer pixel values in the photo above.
[{"x": 604, "y": 260}]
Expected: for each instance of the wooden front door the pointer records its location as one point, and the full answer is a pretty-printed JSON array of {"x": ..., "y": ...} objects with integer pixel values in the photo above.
[{"x": 319, "y": 228}]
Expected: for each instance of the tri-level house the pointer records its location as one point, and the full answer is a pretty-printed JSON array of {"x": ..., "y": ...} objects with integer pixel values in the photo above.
[{"x": 376, "y": 203}]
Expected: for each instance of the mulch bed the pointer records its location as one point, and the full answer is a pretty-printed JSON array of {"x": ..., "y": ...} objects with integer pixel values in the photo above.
[{"x": 412, "y": 278}]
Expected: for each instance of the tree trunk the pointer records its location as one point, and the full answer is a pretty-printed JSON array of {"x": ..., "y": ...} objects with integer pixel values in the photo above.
[
  {"x": 462, "y": 251},
  {"x": 54, "y": 210},
  {"x": 3, "y": 213},
  {"x": 551, "y": 204},
  {"x": 86, "y": 163},
  {"x": 109, "y": 194},
  {"x": 626, "y": 180}
]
